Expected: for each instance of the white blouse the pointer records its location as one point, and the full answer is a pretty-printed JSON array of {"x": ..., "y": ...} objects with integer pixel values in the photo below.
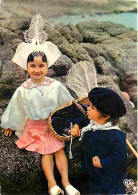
[{"x": 34, "y": 101}]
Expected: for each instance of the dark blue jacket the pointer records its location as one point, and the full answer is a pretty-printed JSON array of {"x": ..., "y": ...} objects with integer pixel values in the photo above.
[{"x": 110, "y": 147}]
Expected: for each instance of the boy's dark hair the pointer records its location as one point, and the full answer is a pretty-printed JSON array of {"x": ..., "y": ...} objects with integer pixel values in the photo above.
[
  {"x": 34, "y": 54},
  {"x": 114, "y": 121},
  {"x": 107, "y": 101}
]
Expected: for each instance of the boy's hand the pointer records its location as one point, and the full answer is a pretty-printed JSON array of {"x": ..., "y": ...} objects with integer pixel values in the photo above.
[
  {"x": 96, "y": 162},
  {"x": 75, "y": 131}
]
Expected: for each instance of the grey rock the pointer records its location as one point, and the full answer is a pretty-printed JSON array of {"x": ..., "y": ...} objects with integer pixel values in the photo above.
[
  {"x": 91, "y": 37},
  {"x": 4, "y": 32},
  {"x": 54, "y": 36},
  {"x": 13, "y": 10},
  {"x": 122, "y": 57},
  {"x": 70, "y": 33},
  {"x": 91, "y": 49},
  {"x": 61, "y": 66},
  {"x": 118, "y": 31},
  {"x": 95, "y": 32},
  {"x": 51, "y": 73},
  {"x": 18, "y": 24},
  {"x": 131, "y": 35},
  {"x": 12, "y": 75},
  {"x": 75, "y": 52},
  {"x": 22, "y": 171},
  {"x": 6, "y": 53},
  {"x": 131, "y": 85},
  {"x": 61, "y": 80},
  {"x": 12, "y": 41},
  {"x": 103, "y": 80},
  {"x": 103, "y": 67}
]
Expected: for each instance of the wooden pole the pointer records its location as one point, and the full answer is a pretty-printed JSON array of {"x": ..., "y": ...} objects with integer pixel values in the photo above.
[{"x": 132, "y": 149}]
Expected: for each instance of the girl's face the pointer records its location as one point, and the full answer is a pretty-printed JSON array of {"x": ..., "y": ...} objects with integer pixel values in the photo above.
[
  {"x": 95, "y": 115},
  {"x": 37, "y": 69}
]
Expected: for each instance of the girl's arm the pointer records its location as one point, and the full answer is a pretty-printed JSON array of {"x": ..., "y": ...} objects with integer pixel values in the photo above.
[
  {"x": 64, "y": 96},
  {"x": 14, "y": 117}
]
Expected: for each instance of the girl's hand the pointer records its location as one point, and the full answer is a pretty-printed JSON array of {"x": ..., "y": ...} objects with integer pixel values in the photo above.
[
  {"x": 75, "y": 131},
  {"x": 96, "y": 162},
  {"x": 7, "y": 132}
]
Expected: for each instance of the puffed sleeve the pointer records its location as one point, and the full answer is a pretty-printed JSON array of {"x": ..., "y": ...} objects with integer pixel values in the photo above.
[
  {"x": 14, "y": 116},
  {"x": 118, "y": 151},
  {"x": 64, "y": 96}
]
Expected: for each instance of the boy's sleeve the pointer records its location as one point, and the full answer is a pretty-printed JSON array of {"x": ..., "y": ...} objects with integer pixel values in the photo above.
[
  {"x": 118, "y": 151},
  {"x": 14, "y": 116}
]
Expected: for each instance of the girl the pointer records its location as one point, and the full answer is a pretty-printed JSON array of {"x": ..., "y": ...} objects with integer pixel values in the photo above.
[
  {"x": 29, "y": 109},
  {"x": 103, "y": 143}
]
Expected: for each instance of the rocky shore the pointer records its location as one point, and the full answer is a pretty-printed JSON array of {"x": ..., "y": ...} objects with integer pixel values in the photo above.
[
  {"x": 53, "y": 8},
  {"x": 109, "y": 47}
]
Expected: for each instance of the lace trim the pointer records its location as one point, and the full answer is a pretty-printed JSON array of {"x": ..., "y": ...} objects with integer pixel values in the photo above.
[{"x": 29, "y": 85}]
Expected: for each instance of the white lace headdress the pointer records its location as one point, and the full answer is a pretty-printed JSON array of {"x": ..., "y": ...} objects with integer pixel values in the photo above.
[{"x": 35, "y": 40}]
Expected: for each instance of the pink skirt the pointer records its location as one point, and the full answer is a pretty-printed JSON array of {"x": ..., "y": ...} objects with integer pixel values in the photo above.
[{"x": 36, "y": 137}]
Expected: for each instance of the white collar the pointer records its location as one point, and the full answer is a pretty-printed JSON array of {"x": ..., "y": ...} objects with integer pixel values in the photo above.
[
  {"x": 93, "y": 126},
  {"x": 105, "y": 126}
]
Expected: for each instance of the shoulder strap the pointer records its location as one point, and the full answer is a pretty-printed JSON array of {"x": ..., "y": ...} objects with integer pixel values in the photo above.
[{"x": 80, "y": 108}]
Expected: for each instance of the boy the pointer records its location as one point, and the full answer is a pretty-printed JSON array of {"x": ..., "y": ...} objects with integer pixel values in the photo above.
[{"x": 103, "y": 143}]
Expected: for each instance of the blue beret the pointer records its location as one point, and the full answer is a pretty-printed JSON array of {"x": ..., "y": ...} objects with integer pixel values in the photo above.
[{"x": 107, "y": 102}]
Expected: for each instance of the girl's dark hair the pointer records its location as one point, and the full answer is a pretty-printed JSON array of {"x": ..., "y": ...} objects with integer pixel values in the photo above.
[
  {"x": 34, "y": 54},
  {"x": 114, "y": 121}
]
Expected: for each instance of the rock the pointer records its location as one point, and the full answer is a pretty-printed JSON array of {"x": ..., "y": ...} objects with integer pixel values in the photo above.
[
  {"x": 12, "y": 76},
  {"x": 129, "y": 34},
  {"x": 54, "y": 8},
  {"x": 12, "y": 41},
  {"x": 20, "y": 170},
  {"x": 131, "y": 88},
  {"x": 54, "y": 36},
  {"x": 103, "y": 67},
  {"x": 61, "y": 66},
  {"x": 95, "y": 32},
  {"x": 51, "y": 73},
  {"x": 4, "y": 33},
  {"x": 107, "y": 80},
  {"x": 61, "y": 80},
  {"x": 17, "y": 25},
  {"x": 3, "y": 53},
  {"x": 91, "y": 37},
  {"x": 133, "y": 95},
  {"x": 91, "y": 49},
  {"x": 118, "y": 31},
  {"x": 75, "y": 52},
  {"x": 70, "y": 33},
  {"x": 122, "y": 57}
]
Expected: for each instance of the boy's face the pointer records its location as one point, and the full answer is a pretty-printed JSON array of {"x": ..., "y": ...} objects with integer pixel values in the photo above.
[{"x": 93, "y": 113}]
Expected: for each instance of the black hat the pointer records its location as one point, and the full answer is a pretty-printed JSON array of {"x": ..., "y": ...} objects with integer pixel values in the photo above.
[{"x": 107, "y": 102}]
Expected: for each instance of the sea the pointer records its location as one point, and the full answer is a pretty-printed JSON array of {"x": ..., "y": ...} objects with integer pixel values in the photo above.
[{"x": 128, "y": 19}]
